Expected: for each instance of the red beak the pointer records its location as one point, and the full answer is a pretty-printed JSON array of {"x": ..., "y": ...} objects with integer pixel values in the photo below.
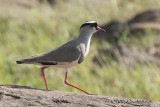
[{"x": 98, "y": 28}]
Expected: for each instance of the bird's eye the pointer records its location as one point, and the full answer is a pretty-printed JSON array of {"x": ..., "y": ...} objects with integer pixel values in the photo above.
[{"x": 91, "y": 25}]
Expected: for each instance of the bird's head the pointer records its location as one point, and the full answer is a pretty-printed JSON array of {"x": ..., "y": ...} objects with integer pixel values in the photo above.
[{"x": 91, "y": 27}]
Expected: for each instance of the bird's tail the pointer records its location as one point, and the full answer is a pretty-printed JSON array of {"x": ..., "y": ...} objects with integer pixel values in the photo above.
[
  {"x": 29, "y": 60},
  {"x": 19, "y": 62},
  {"x": 24, "y": 61}
]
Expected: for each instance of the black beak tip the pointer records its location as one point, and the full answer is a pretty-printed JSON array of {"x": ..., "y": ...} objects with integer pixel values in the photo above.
[{"x": 103, "y": 30}]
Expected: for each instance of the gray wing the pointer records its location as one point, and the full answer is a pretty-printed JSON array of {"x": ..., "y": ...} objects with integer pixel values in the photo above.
[{"x": 64, "y": 53}]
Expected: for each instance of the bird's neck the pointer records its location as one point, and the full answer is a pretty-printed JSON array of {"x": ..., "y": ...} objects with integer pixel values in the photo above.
[{"x": 85, "y": 37}]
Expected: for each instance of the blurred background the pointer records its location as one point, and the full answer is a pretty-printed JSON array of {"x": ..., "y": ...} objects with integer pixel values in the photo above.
[{"x": 124, "y": 62}]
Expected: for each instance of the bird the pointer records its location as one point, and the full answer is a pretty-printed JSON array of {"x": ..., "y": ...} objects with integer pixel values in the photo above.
[{"x": 67, "y": 55}]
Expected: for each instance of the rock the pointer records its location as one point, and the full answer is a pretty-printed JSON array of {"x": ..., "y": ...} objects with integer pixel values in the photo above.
[{"x": 22, "y": 96}]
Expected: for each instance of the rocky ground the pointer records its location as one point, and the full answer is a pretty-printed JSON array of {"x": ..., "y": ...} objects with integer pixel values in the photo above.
[{"x": 22, "y": 96}]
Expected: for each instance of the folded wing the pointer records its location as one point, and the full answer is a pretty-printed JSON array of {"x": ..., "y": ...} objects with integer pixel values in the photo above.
[{"x": 61, "y": 54}]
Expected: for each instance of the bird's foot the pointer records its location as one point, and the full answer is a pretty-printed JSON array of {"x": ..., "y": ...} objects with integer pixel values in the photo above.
[{"x": 91, "y": 94}]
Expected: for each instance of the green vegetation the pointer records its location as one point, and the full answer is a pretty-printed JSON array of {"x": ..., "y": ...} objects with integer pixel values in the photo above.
[{"x": 24, "y": 32}]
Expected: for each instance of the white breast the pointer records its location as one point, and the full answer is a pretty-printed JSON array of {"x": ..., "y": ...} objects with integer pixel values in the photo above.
[{"x": 87, "y": 48}]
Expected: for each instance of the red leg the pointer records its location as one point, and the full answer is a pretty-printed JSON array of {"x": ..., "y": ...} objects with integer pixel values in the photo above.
[
  {"x": 42, "y": 70},
  {"x": 67, "y": 83}
]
